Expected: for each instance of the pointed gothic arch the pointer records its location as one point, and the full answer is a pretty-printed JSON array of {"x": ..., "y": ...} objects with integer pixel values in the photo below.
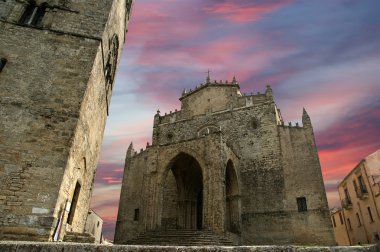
[{"x": 182, "y": 194}]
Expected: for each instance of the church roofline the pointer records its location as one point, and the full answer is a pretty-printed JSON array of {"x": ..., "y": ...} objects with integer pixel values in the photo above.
[{"x": 186, "y": 93}]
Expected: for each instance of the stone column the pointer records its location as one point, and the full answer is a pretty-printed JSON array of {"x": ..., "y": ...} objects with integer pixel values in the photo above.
[{"x": 214, "y": 202}]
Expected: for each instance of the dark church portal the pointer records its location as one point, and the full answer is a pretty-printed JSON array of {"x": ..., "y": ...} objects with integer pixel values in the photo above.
[{"x": 183, "y": 194}]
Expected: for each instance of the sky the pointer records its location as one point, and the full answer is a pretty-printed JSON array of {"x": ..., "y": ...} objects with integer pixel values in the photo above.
[{"x": 323, "y": 55}]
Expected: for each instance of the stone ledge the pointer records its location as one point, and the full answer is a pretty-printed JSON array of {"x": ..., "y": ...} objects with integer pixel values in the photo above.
[{"x": 11, "y": 246}]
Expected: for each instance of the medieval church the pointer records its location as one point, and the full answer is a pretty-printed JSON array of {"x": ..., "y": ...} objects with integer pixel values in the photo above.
[
  {"x": 226, "y": 167},
  {"x": 58, "y": 63}
]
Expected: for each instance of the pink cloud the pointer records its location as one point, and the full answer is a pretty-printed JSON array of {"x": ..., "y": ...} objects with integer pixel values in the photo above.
[
  {"x": 140, "y": 132},
  {"x": 223, "y": 57},
  {"x": 241, "y": 13},
  {"x": 109, "y": 173},
  {"x": 151, "y": 24}
]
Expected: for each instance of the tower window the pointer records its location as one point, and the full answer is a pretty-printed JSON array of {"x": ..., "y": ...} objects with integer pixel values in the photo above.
[
  {"x": 301, "y": 203},
  {"x": 363, "y": 188},
  {"x": 341, "y": 218},
  {"x": 356, "y": 188},
  {"x": 349, "y": 224},
  {"x": 2, "y": 63},
  {"x": 358, "y": 218},
  {"x": 33, "y": 14},
  {"x": 370, "y": 214},
  {"x": 136, "y": 217},
  {"x": 74, "y": 203},
  {"x": 333, "y": 219}
]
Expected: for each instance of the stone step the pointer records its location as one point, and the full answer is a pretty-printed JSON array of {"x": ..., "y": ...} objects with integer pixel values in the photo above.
[
  {"x": 180, "y": 237},
  {"x": 79, "y": 237}
]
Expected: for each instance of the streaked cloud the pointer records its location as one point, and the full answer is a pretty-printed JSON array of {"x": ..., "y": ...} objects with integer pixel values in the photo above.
[{"x": 243, "y": 11}]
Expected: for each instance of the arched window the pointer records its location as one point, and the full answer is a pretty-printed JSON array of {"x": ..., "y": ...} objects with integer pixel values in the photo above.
[
  {"x": 110, "y": 67},
  {"x": 208, "y": 129},
  {"x": 33, "y": 14},
  {"x": 128, "y": 6}
]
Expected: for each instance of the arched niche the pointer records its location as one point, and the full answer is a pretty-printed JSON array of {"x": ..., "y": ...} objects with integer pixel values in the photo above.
[{"x": 208, "y": 129}]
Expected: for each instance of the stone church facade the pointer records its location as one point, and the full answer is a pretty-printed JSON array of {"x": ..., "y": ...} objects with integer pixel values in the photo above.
[
  {"x": 226, "y": 163},
  {"x": 58, "y": 63}
]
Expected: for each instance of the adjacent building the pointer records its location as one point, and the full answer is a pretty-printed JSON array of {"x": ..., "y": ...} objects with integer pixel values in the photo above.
[
  {"x": 57, "y": 68},
  {"x": 227, "y": 164},
  {"x": 340, "y": 228},
  {"x": 360, "y": 197},
  {"x": 94, "y": 225}
]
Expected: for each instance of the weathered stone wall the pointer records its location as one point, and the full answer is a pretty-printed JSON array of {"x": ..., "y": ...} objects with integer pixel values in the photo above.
[
  {"x": 53, "y": 110},
  {"x": 5, "y": 8},
  {"x": 170, "y": 202},
  {"x": 131, "y": 191},
  {"x": 209, "y": 99},
  {"x": 89, "y": 131},
  {"x": 303, "y": 178},
  {"x": 72, "y": 247}
]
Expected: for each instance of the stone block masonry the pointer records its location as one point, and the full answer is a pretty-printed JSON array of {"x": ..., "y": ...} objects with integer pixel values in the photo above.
[{"x": 54, "y": 95}]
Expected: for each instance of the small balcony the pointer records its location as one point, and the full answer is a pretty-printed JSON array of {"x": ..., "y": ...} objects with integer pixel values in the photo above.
[
  {"x": 362, "y": 192},
  {"x": 347, "y": 203}
]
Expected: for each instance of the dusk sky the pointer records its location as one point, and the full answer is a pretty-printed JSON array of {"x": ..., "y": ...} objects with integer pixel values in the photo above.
[{"x": 323, "y": 55}]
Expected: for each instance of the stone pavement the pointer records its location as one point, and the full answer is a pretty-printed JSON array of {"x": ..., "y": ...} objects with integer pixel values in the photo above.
[{"x": 76, "y": 247}]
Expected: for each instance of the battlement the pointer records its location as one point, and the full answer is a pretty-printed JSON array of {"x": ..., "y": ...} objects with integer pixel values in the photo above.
[
  {"x": 211, "y": 98},
  {"x": 208, "y": 83}
]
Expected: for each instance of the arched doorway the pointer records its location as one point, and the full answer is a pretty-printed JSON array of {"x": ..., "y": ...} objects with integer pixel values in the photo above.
[
  {"x": 182, "y": 206},
  {"x": 232, "y": 200}
]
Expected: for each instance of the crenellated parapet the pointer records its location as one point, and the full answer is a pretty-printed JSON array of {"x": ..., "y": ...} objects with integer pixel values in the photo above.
[
  {"x": 209, "y": 83},
  {"x": 306, "y": 122},
  {"x": 213, "y": 98}
]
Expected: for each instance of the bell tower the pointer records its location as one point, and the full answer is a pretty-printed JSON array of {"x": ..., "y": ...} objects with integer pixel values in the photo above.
[{"x": 57, "y": 72}]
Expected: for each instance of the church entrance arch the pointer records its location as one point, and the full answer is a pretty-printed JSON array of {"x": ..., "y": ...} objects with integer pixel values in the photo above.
[
  {"x": 182, "y": 206},
  {"x": 232, "y": 199}
]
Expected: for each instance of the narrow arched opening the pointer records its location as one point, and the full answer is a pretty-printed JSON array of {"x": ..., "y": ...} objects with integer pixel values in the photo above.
[
  {"x": 33, "y": 14},
  {"x": 183, "y": 194},
  {"x": 232, "y": 199}
]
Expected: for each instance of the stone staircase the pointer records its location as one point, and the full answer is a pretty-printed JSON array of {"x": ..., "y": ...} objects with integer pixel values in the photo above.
[
  {"x": 180, "y": 238},
  {"x": 79, "y": 237}
]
